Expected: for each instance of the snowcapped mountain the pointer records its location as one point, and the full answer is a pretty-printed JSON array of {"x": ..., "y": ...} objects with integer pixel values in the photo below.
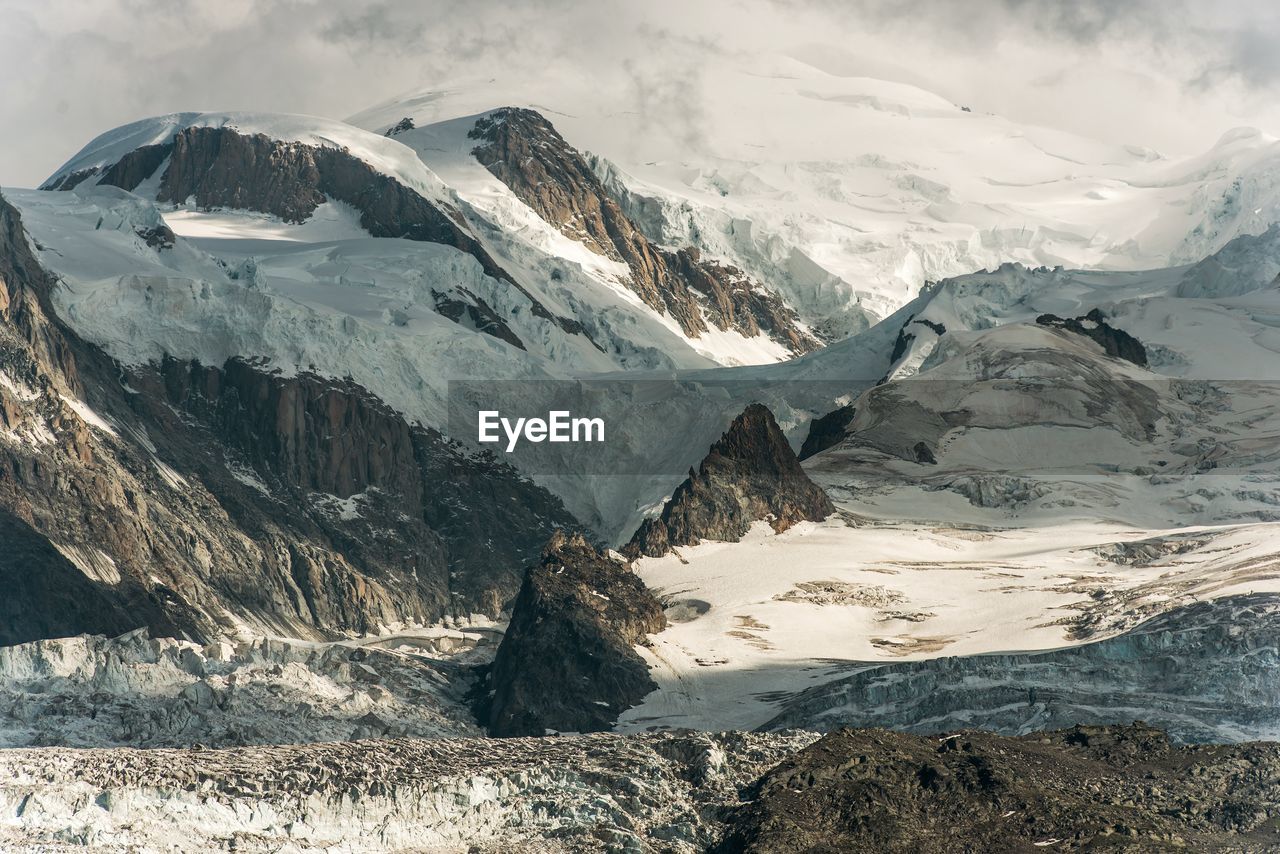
[
  {"x": 848, "y": 194},
  {"x": 434, "y": 240},
  {"x": 901, "y": 399}
]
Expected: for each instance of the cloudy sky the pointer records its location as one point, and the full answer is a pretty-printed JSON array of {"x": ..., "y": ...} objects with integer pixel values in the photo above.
[{"x": 1170, "y": 74}]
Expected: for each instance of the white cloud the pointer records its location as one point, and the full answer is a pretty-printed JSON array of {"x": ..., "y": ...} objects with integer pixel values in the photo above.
[{"x": 1173, "y": 75}]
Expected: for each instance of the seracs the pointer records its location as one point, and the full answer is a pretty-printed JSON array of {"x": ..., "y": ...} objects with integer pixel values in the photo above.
[{"x": 558, "y": 426}]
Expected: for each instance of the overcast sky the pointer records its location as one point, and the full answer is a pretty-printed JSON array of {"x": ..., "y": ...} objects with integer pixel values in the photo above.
[{"x": 1170, "y": 74}]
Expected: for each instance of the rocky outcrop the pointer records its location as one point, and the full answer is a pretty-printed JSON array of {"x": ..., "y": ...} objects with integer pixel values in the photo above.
[
  {"x": 527, "y": 154},
  {"x": 196, "y": 500},
  {"x": 405, "y": 124},
  {"x": 1117, "y": 343},
  {"x": 749, "y": 474},
  {"x": 568, "y": 661},
  {"x": 467, "y": 309},
  {"x": 135, "y": 167},
  {"x": 1119, "y": 788},
  {"x": 826, "y": 431},
  {"x": 218, "y": 167}
]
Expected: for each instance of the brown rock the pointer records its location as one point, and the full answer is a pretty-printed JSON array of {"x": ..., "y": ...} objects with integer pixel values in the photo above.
[
  {"x": 527, "y": 154},
  {"x": 567, "y": 661},
  {"x": 750, "y": 474}
]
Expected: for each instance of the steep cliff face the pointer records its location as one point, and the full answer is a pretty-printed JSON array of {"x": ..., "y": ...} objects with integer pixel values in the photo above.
[
  {"x": 749, "y": 474},
  {"x": 66, "y": 497},
  {"x": 465, "y": 526},
  {"x": 522, "y": 149},
  {"x": 568, "y": 662},
  {"x": 200, "y": 500}
]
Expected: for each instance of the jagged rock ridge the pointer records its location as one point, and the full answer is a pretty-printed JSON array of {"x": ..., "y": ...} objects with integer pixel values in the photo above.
[
  {"x": 567, "y": 662},
  {"x": 527, "y": 154},
  {"x": 749, "y": 474}
]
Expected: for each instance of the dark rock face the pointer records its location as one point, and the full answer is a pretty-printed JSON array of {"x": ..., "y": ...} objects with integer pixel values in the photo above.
[
  {"x": 749, "y": 474},
  {"x": 309, "y": 435},
  {"x": 475, "y": 312},
  {"x": 826, "y": 431},
  {"x": 527, "y": 154},
  {"x": 300, "y": 504},
  {"x": 159, "y": 237},
  {"x": 71, "y": 180},
  {"x": 400, "y": 127},
  {"x": 32, "y": 570},
  {"x": 71, "y": 504},
  {"x": 924, "y": 454},
  {"x": 938, "y": 328},
  {"x": 135, "y": 167},
  {"x": 1116, "y": 342},
  {"x": 219, "y": 167},
  {"x": 903, "y": 342},
  {"x": 568, "y": 662},
  {"x": 1119, "y": 788}
]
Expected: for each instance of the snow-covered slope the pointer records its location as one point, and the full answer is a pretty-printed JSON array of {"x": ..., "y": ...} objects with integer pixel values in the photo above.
[
  {"x": 848, "y": 194},
  {"x": 1013, "y": 486}
]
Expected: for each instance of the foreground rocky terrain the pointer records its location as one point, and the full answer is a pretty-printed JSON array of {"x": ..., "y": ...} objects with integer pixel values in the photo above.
[
  {"x": 1082, "y": 789},
  {"x": 1085, "y": 789}
]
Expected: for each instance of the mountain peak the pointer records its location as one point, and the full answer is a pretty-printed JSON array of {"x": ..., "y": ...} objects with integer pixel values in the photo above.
[{"x": 749, "y": 474}]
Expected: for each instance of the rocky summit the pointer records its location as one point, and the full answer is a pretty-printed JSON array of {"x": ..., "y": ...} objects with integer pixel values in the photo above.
[
  {"x": 749, "y": 474},
  {"x": 524, "y": 150}
]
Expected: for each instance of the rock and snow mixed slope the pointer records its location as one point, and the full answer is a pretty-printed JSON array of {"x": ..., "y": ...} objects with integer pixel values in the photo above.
[
  {"x": 847, "y": 194},
  {"x": 1017, "y": 483},
  {"x": 136, "y": 691},
  {"x": 579, "y": 266}
]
